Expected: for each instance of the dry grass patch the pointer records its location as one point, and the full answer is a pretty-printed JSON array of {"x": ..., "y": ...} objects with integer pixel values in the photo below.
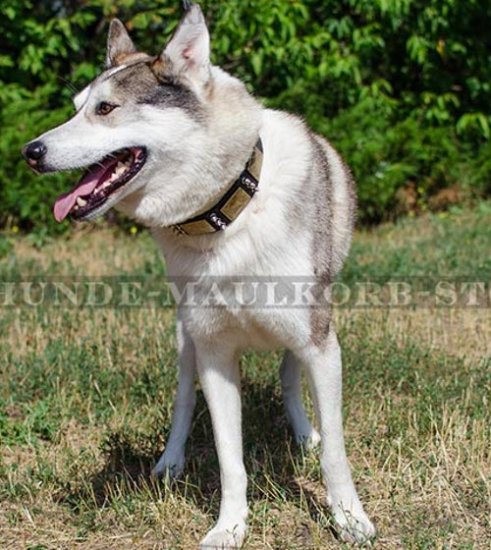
[
  {"x": 86, "y": 403},
  {"x": 461, "y": 332}
]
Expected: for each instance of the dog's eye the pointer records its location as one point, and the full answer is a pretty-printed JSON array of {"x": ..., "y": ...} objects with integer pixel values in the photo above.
[{"x": 104, "y": 108}]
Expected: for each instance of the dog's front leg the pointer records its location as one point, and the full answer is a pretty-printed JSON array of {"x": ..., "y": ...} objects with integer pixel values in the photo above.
[
  {"x": 171, "y": 463},
  {"x": 218, "y": 371},
  {"x": 323, "y": 364}
]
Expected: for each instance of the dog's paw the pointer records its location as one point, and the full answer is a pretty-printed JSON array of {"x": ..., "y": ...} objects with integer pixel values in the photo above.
[
  {"x": 309, "y": 440},
  {"x": 354, "y": 526},
  {"x": 220, "y": 538},
  {"x": 170, "y": 464}
]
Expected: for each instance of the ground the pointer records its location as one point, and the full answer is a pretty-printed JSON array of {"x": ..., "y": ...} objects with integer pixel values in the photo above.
[{"x": 86, "y": 395}]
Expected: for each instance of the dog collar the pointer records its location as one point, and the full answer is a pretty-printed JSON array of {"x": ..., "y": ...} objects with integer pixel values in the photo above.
[{"x": 236, "y": 198}]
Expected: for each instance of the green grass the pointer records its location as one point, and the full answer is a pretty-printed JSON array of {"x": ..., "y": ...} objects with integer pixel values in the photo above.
[
  {"x": 451, "y": 244},
  {"x": 86, "y": 404}
]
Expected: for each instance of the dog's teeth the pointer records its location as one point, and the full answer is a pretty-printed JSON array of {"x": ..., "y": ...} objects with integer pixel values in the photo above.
[
  {"x": 107, "y": 183},
  {"x": 81, "y": 201},
  {"x": 120, "y": 169}
]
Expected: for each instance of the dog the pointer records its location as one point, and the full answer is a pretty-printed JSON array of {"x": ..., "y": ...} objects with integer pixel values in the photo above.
[{"x": 229, "y": 190}]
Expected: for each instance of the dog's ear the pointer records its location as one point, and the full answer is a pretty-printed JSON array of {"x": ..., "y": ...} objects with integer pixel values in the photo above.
[
  {"x": 119, "y": 44},
  {"x": 188, "y": 51}
]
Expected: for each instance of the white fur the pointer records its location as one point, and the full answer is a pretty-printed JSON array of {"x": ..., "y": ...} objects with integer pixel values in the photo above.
[
  {"x": 188, "y": 168},
  {"x": 80, "y": 99},
  {"x": 267, "y": 240},
  {"x": 189, "y": 49}
]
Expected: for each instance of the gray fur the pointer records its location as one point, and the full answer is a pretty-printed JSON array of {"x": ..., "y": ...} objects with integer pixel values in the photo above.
[
  {"x": 139, "y": 83},
  {"x": 119, "y": 43},
  {"x": 173, "y": 95},
  {"x": 322, "y": 240},
  {"x": 353, "y": 197}
]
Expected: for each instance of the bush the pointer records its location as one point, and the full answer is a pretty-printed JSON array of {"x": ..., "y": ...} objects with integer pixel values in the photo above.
[
  {"x": 400, "y": 86},
  {"x": 388, "y": 156}
]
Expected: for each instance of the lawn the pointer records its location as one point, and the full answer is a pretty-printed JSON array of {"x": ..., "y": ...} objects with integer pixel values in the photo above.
[{"x": 86, "y": 403}]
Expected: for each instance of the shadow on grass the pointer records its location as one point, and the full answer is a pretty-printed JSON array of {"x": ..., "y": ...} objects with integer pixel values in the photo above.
[{"x": 269, "y": 453}]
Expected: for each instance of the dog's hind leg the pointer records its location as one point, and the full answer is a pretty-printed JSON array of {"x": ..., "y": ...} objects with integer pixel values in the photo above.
[
  {"x": 323, "y": 364},
  {"x": 218, "y": 370},
  {"x": 290, "y": 374},
  {"x": 171, "y": 463}
]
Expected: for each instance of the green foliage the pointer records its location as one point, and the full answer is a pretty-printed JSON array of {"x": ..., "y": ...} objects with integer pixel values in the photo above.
[
  {"x": 400, "y": 86},
  {"x": 387, "y": 154}
]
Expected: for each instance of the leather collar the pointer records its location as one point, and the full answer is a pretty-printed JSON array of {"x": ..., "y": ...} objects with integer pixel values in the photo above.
[{"x": 231, "y": 204}]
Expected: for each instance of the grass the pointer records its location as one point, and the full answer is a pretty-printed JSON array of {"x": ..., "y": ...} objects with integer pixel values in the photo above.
[{"x": 86, "y": 395}]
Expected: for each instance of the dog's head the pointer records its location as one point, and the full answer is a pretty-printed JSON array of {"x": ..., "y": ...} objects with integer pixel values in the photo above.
[{"x": 148, "y": 130}]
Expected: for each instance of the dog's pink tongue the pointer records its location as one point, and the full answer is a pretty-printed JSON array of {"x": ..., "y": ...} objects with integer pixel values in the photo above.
[{"x": 64, "y": 203}]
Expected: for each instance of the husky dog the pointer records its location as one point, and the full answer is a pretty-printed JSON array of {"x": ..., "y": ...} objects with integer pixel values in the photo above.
[{"x": 230, "y": 190}]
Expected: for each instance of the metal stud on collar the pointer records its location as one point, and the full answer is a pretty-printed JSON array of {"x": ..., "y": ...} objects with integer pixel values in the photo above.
[
  {"x": 249, "y": 183},
  {"x": 218, "y": 222},
  {"x": 235, "y": 199}
]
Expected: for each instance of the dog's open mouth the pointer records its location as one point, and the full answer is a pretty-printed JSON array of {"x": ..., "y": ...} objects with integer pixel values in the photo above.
[{"x": 99, "y": 182}]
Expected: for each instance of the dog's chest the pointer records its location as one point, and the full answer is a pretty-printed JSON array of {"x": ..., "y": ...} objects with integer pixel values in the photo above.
[{"x": 234, "y": 290}]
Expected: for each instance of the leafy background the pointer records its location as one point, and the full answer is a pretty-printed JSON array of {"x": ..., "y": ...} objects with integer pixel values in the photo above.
[{"x": 401, "y": 87}]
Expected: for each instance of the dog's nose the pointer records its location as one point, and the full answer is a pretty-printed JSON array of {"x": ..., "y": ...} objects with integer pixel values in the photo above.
[{"x": 34, "y": 152}]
